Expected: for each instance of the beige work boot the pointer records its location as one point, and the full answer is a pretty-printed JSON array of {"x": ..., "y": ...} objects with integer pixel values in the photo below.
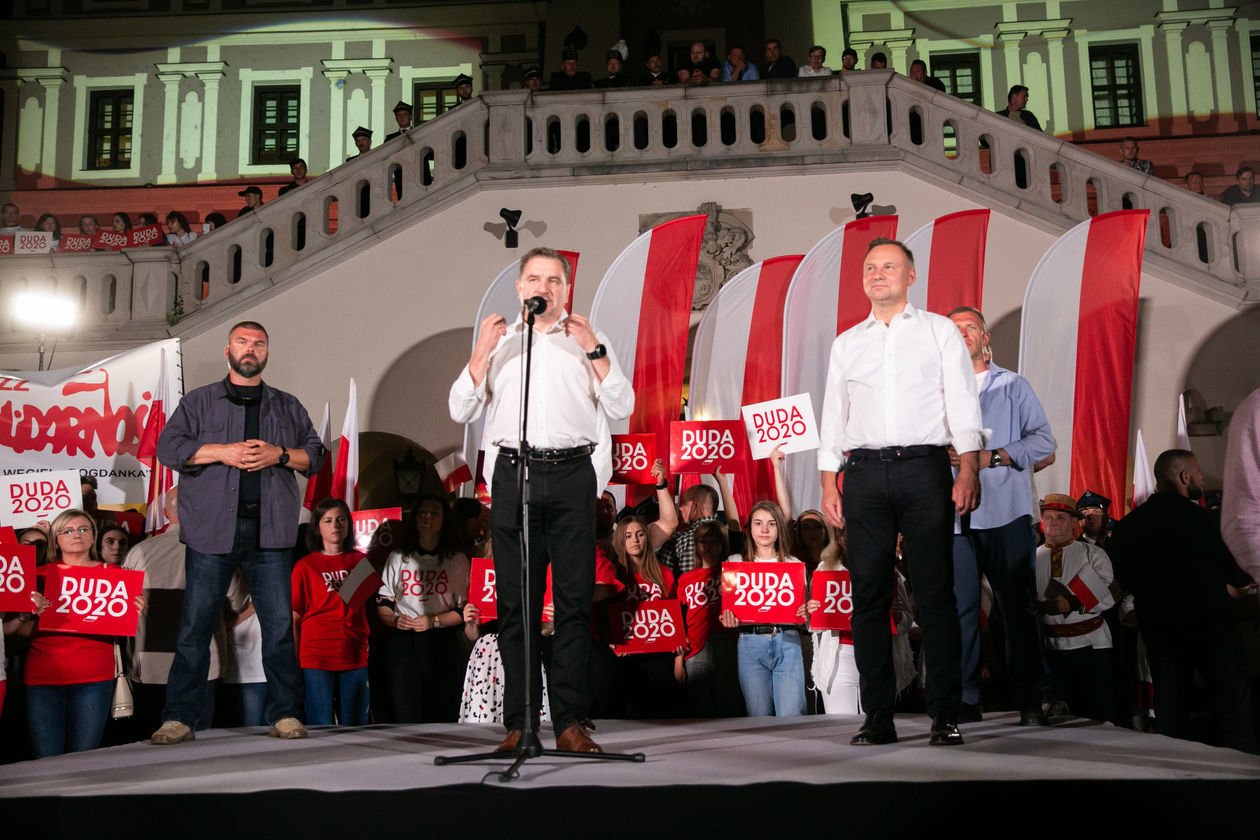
[
  {"x": 287, "y": 728},
  {"x": 172, "y": 732}
]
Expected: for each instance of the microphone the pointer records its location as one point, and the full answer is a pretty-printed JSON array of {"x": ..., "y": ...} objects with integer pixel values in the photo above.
[{"x": 535, "y": 305}]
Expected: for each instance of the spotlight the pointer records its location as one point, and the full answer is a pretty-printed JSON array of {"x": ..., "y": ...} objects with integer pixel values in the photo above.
[
  {"x": 861, "y": 201},
  {"x": 512, "y": 217},
  {"x": 44, "y": 314}
]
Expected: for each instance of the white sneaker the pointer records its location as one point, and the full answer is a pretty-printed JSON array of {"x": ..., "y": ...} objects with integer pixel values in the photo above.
[
  {"x": 172, "y": 732},
  {"x": 287, "y": 728}
]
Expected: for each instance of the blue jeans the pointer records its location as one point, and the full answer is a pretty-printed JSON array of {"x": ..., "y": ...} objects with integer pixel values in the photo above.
[
  {"x": 267, "y": 572},
  {"x": 351, "y": 687},
  {"x": 68, "y": 718},
  {"x": 772, "y": 674}
]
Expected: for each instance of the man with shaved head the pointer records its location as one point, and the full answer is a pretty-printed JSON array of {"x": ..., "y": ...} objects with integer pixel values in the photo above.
[{"x": 1169, "y": 553}]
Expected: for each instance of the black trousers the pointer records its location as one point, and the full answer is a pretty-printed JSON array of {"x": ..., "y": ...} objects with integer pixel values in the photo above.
[
  {"x": 911, "y": 497},
  {"x": 562, "y": 536}
]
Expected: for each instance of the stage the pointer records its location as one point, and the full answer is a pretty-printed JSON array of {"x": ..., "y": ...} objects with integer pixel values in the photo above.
[{"x": 743, "y": 776}]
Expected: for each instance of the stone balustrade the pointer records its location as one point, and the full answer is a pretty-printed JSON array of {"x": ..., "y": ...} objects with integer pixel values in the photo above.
[{"x": 872, "y": 117}]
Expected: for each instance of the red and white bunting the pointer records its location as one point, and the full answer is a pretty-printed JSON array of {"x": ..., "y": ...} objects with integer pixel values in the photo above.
[
  {"x": 654, "y": 276},
  {"x": 824, "y": 299},
  {"x": 345, "y": 477},
  {"x": 737, "y": 358},
  {"x": 949, "y": 261},
  {"x": 501, "y": 298},
  {"x": 1077, "y": 341}
]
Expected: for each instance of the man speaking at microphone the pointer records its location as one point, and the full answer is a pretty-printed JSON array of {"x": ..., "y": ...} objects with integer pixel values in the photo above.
[{"x": 576, "y": 386}]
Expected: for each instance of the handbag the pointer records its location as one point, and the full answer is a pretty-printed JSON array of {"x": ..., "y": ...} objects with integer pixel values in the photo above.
[{"x": 124, "y": 705}]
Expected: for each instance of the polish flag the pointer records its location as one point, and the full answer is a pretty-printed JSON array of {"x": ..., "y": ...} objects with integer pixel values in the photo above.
[
  {"x": 949, "y": 262},
  {"x": 501, "y": 299},
  {"x": 736, "y": 359},
  {"x": 454, "y": 471},
  {"x": 161, "y": 479},
  {"x": 1076, "y": 349},
  {"x": 824, "y": 299},
  {"x": 1183, "y": 430},
  {"x": 1143, "y": 476},
  {"x": 362, "y": 582},
  {"x": 655, "y": 275},
  {"x": 318, "y": 487},
  {"x": 345, "y": 476}
]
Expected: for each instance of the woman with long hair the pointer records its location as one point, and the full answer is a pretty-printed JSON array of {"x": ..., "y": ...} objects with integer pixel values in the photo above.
[
  {"x": 711, "y": 683},
  {"x": 425, "y": 585},
  {"x": 771, "y": 671},
  {"x": 69, "y": 676},
  {"x": 177, "y": 225},
  {"x": 49, "y": 224},
  {"x": 121, "y": 223},
  {"x": 112, "y": 544},
  {"x": 332, "y": 638},
  {"x": 833, "y": 669}
]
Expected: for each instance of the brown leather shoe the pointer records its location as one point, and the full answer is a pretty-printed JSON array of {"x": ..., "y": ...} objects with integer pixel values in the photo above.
[
  {"x": 574, "y": 739},
  {"x": 510, "y": 743}
]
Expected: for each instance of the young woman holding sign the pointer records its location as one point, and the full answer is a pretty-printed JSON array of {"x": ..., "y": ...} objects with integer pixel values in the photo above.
[
  {"x": 69, "y": 676},
  {"x": 332, "y": 639},
  {"x": 422, "y": 597},
  {"x": 771, "y": 671}
]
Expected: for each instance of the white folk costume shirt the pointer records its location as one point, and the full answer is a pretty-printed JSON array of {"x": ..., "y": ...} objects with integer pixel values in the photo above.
[
  {"x": 420, "y": 585},
  {"x": 910, "y": 383},
  {"x": 1086, "y": 571},
  {"x": 569, "y": 406}
]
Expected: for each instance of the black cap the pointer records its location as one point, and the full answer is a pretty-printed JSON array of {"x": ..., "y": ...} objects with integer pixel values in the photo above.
[
  {"x": 402, "y": 106},
  {"x": 255, "y": 190},
  {"x": 362, "y": 132},
  {"x": 462, "y": 79},
  {"x": 532, "y": 72},
  {"x": 1093, "y": 500}
]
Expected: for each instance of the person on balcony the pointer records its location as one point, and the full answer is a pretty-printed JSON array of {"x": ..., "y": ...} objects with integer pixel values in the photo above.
[
  {"x": 177, "y": 224},
  {"x": 778, "y": 65},
  {"x": 615, "y": 78},
  {"x": 568, "y": 77},
  {"x": 253, "y": 200},
  {"x": 848, "y": 60},
  {"x": 362, "y": 138},
  {"x": 736, "y": 68},
  {"x": 463, "y": 88},
  {"x": 10, "y": 219},
  {"x": 402, "y": 115},
  {"x": 879, "y": 61},
  {"x": 814, "y": 66},
  {"x": 1017, "y": 107},
  {"x": 654, "y": 72},
  {"x": 1129, "y": 157},
  {"x": 297, "y": 168},
  {"x": 1244, "y": 190},
  {"x": 700, "y": 68},
  {"x": 533, "y": 77},
  {"x": 919, "y": 73}
]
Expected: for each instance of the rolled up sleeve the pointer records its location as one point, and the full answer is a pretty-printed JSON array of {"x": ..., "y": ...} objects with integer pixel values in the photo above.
[
  {"x": 466, "y": 399},
  {"x": 180, "y": 440},
  {"x": 615, "y": 393}
]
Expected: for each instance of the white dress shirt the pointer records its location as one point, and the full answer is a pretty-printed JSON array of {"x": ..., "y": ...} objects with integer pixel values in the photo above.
[
  {"x": 905, "y": 384},
  {"x": 569, "y": 405}
]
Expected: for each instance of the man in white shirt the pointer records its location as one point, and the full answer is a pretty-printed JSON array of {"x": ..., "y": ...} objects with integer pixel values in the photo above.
[
  {"x": 576, "y": 386},
  {"x": 900, "y": 389},
  {"x": 9, "y": 219}
]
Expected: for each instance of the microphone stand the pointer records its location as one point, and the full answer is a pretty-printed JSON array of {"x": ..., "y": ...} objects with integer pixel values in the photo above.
[{"x": 529, "y": 746}]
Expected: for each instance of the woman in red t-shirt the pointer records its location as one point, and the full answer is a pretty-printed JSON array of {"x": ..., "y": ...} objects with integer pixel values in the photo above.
[
  {"x": 69, "y": 676},
  {"x": 332, "y": 638}
]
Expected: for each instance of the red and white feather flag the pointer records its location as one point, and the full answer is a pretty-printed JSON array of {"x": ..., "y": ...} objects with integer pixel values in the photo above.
[
  {"x": 1183, "y": 429},
  {"x": 345, "y": 477},
  {"x": 1143, "y": 476},
  {"x": 501, "y": 298},
  {"x": 454, "y": 471},
  {"x": 949, "y": 262},
  {"x": 161, "y": 478},
  {"x": 643, "y": 305},
  {"x": 318, "y": 486},
  {"x": 824, "y": 299},
  {"x": 736, "y": 359},
  {"x": 1077, "y": 340}
]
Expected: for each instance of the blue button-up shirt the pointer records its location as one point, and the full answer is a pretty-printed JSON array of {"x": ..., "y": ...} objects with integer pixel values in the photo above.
[
  {"x": 1017, "y": 423},
  {"x": 208, "y": 493}
]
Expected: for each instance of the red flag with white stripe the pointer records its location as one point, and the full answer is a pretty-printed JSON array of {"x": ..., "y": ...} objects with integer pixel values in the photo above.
[
  {"x": 319, "y": 485},
  {"x": 345, "y": 477},
  {"x": 655, "y": 275},
  {"x": 1077, "y": 340},
  {"x": 454, "y": 471},
  {"x": 949, "y": 262},
  {"x": 161, "y": 479},
  {"x": 501, "y": 299},
  {"x": 737, "y": 359},
  {"x": 824, "y": 299}
]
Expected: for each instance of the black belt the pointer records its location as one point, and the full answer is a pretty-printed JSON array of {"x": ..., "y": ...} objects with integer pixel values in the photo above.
[
  {"x": 550, "y": 456},
  {"x": 895, "y": 453},
  {"x": 249, "y": 510},
  {"x": 766, "y": 629}
]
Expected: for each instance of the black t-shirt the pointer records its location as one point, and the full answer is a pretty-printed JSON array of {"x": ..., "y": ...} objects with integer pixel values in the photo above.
[
  {"x": 706, "y": 67},
  {"x": 251, "y": 482}
]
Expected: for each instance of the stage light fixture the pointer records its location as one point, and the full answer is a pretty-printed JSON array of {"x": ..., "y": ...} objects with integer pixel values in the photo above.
[{"x": 44, "y": 314}]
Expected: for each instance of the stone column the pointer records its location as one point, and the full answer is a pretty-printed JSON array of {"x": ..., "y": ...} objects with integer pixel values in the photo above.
[
  {"x": 52, "y": 107},
  {"x": 336, "y": 115},
  {"x": 170, "y": 126},
  {"x": 1176, "y": 67},
  {"x": 379, "y": 105},
  {"x": 1221, "y": 70},
  {"x": 1059, "y": 118},
  {"x": 209, "y": 123}
]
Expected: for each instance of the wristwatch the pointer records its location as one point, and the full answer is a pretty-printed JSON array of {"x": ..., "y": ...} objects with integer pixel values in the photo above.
[
  {"x": 284, "y": 458},
  {"x": 599, "y": 352},
  {"x": 996, "y": 459}
]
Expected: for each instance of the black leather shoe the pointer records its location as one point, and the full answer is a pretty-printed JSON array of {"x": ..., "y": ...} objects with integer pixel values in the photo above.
[
  {"x": 1033, "y": 716},
  {"x": 970, "y": 713},
  {"x": 945, "y": 730},
  {"x": 876, "y": 729}
]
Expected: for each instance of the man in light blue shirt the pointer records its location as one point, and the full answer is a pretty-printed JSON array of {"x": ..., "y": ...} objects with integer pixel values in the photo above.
[
  {"x": 997, "y": 538},
  {"x": 737, "y": 68}
]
